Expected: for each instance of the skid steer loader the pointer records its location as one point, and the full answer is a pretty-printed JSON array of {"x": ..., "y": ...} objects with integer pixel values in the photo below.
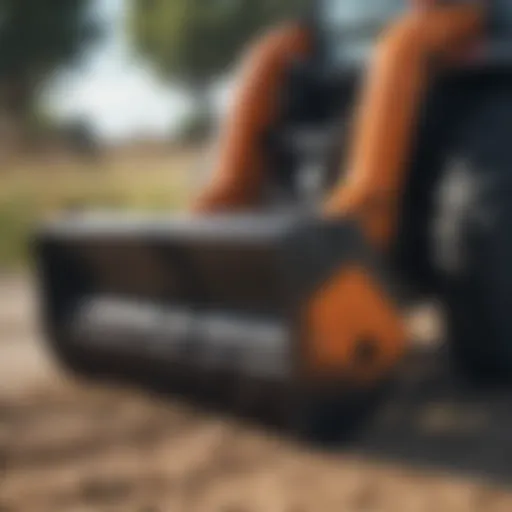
[{"x": 365, "y": 161}]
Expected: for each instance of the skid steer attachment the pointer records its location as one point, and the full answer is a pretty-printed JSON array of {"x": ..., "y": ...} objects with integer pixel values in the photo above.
[
  {"x": 284, "y": 304},
  {"x": 299, "y": 302},
  {"x": 274, "y": 297}
]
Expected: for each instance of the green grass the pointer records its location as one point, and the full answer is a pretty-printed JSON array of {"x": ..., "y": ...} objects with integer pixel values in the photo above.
[{"x": 28, "y": 195}]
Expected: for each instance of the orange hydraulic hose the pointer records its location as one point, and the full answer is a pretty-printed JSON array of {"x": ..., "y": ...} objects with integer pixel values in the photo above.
[
  {"x": 390, "y": 103},
  {"x": 239, "y": 174}
]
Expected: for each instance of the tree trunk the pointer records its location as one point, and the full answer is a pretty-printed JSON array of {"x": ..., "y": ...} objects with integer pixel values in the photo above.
[{"x": 16, "y": 102}]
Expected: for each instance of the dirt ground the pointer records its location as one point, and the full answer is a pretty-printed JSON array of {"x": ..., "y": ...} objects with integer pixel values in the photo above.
[{"x": 68, "y": 447}]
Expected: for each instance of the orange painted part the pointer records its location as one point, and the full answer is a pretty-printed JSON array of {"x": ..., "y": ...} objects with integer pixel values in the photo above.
[
  {"x": 347, "y": 317},
  {"x": 239, "y": 173},
  {"x": 351, "y": 307},
  {"x": 398, "y": 77}
]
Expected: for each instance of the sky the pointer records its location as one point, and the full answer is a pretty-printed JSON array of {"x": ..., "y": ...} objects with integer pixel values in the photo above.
[{"x": 117, "y": 93}]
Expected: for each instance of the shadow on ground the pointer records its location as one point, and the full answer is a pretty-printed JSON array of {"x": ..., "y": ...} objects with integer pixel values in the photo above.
[{"x": 430, "y": 418}]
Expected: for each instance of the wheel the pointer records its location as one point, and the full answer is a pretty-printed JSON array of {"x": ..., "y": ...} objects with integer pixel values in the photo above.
[{"x": 472, "y": 243}]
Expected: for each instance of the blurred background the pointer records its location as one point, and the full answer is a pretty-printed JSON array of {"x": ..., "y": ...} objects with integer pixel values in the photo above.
[
  {"x": 109, "y": 102},
  {"x": 115, "y": 103}
]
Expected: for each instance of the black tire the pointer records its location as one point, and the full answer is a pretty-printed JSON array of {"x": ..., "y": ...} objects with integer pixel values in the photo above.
[{"x": 472, "y": 243}]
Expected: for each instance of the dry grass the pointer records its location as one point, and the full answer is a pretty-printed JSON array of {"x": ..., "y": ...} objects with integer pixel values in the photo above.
[{"x": 29, "y": 193}]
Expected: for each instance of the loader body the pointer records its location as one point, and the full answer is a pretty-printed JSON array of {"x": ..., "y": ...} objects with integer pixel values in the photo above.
[{"x": 259, "y": 282}]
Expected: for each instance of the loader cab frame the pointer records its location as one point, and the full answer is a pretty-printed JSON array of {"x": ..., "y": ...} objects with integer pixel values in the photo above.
[{"x": 316, "y": 99}]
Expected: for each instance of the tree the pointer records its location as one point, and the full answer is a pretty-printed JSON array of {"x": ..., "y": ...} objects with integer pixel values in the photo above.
[
  {"x": 36, "y": 38},
  {"x": 193, "y": 42}
]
